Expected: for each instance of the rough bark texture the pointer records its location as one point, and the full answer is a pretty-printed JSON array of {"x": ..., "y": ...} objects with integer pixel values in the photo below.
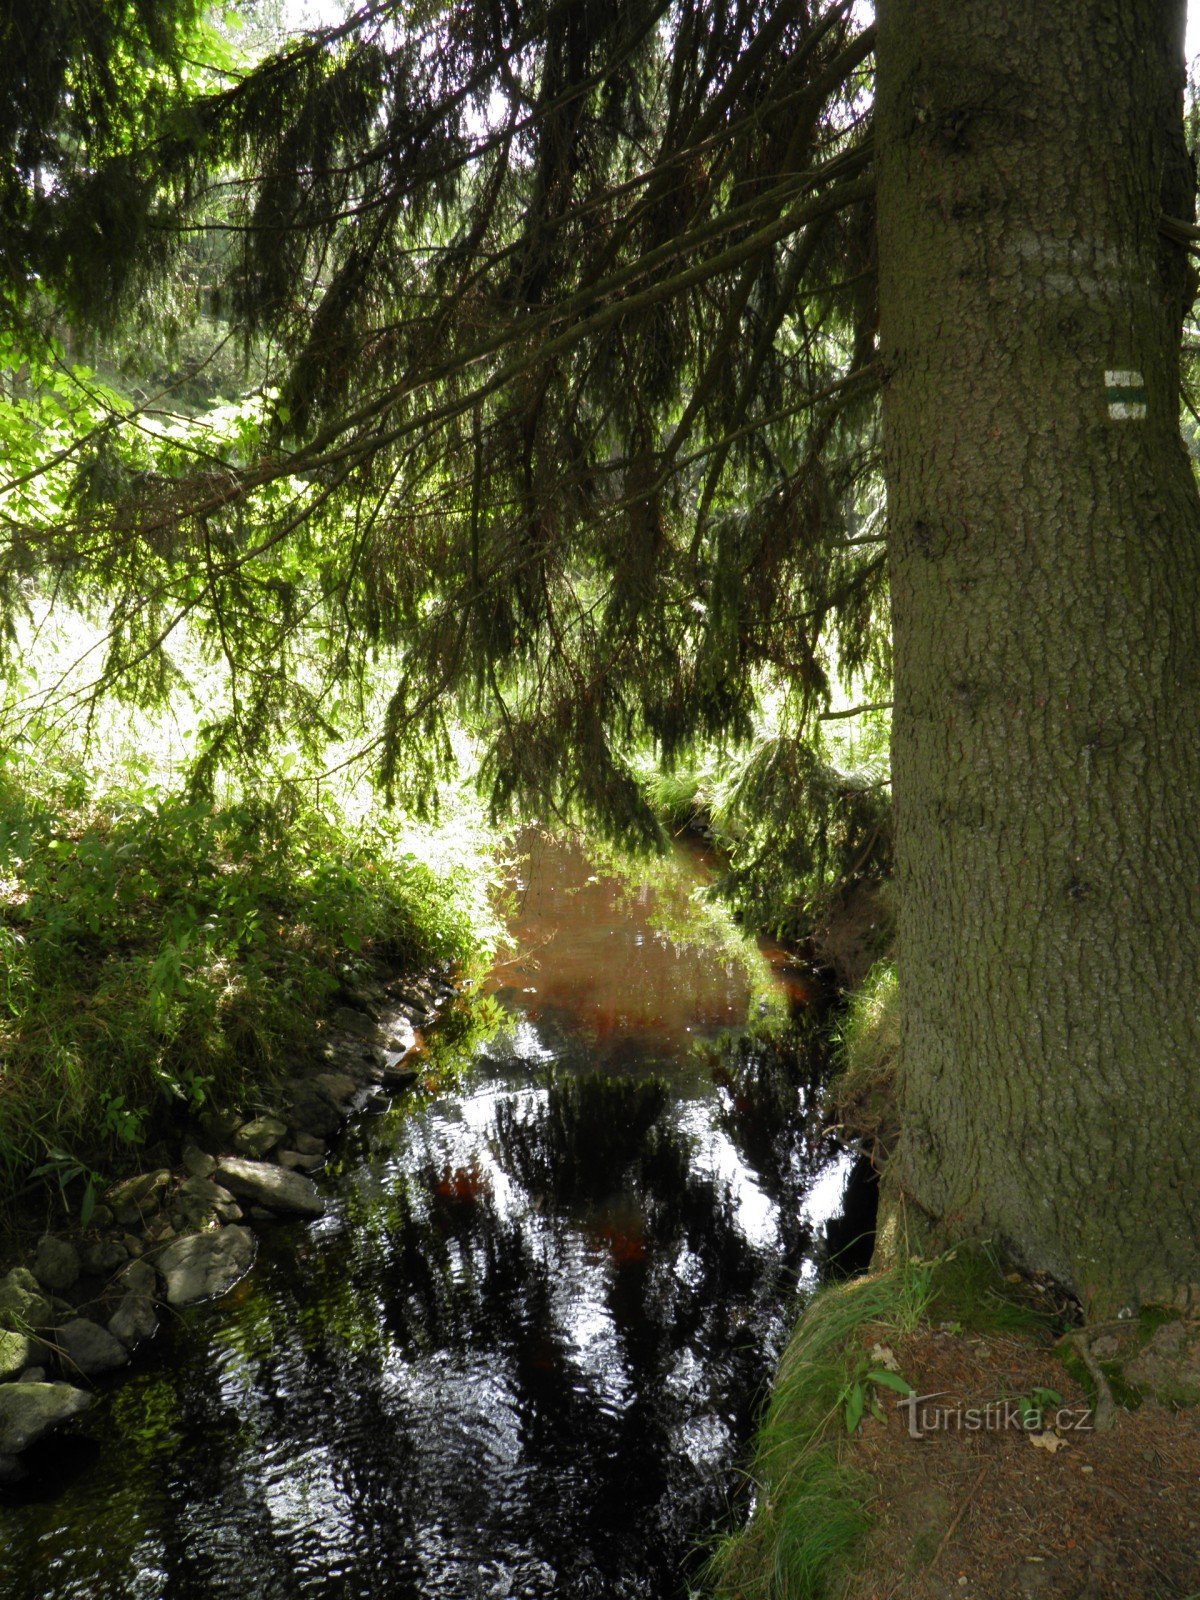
[{"x": 1045, "y": 569}]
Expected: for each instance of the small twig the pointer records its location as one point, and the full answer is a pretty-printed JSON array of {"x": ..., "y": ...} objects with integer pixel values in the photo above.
[{"x": 945, "y": 1539}]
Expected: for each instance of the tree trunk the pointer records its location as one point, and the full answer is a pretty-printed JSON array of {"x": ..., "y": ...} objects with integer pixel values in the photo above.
[{"x": 1045, "y": 572}]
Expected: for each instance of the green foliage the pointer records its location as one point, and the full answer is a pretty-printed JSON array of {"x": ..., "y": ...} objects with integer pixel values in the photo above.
[
  {"x": 796, "y": 816},
  {"x": 561, "y": 327},
  {"x": 160, "y": 953},
  {"x": 868, "y": 1042}
]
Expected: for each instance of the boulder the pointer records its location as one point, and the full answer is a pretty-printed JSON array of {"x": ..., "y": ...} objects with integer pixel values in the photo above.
[
  {"x": 133, "y": 1320},
  {"x": 56, "y": 1265},
  {"x": 22, "y": 1303},
  {"x": 271, "y": 1186},
  {"x": 29, "y": 1410},
  {"x": 307, "y": 1145},
  {"x": 88, "y": 1348},
  {"x": 258, "y": 1136},
  {"x": 202, "y": 1265},
  {"x": 16, "y": 1352}
]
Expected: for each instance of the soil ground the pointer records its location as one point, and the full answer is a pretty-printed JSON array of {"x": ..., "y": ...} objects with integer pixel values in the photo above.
[{"x": 987, "y": 1514}]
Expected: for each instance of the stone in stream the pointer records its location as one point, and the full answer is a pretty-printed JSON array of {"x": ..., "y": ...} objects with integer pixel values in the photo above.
[
  {"x": 136, "y": 1197},
  {"x": 271, "y": 1186},
  {"x": 104, "y": 1256},
  {"x": 133, "y": 1320},
  {"x": 196, "y": 1163},
  {"x": 296, "y": 1162},
  {"x": 311, "y": 1110},
  {"x": 16, "y": 1352},
  {"x": 88, "y": 1348},
  {"x": 200, "y": 1197},
  {"x": 202, "y": 1265},
  {"x": 398, "y": 1077},
  {"x": 306, "y": 1145},
  {"x": 258, "y": 1136},
  {"x": 139, "y": 1277},
  {"x": 22, "y": 1303},
  {"x": 29, "y": 1410},
  {"x": 56, "y": 1265}
]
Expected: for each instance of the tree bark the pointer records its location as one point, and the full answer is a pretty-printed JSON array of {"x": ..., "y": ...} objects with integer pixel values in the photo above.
[{"x": 1044, "y": 533}]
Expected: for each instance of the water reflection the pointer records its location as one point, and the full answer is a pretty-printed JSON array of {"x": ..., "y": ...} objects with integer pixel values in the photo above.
[{"x": 518, "y": 1355}]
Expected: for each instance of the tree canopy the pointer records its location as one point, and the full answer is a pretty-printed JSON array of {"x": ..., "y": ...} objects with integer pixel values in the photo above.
[{"x": 559, "y": 332}]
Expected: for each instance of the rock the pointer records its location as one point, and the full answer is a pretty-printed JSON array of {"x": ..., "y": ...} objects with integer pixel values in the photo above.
[
  {"x": 104, "y": 1256},
  {"x": 135, "y": 1246},
  {"x": 139, "y": 1277},
  {"x": 22, "y": 1303},
  {"x": 56, "y": 1265},
  {"x": 295, "y": 1162},
  {"x": 271, "y": 1186},
  {"x": 199, "y": 1198},
  {"x": 29, "y": 1410},
  {"x": 15, "y": 1354},
  {"x": 136, "y": 1197},
  {"x": 88, "y": 1348},
  {"x": 101, "y": 1217},
  {"x": 306, "y": 1145},
  {"x": 33, "y": 1375},
  {"x": 229, "y": 1211},
  {"x": 196, "y": 1163},
  {"x": 202, "y": 1265},
  {"x": 11, "y": 1471},
  {"x": 258, "y": 1136},
  {"x": 396, "y": 1077},
  {"x": 311, "y": 1110},
  {"x": 218, "y": 1127},
  {"x": 1169, "y": 1365},
  {"x": 348, "y": 1019},
  {"x": 133, "y": 1320},
  {"x": 339, "y": 1086}
]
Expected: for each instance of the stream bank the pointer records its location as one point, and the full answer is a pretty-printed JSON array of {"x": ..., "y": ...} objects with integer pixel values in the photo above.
[{"x": 520, "y": 1351}]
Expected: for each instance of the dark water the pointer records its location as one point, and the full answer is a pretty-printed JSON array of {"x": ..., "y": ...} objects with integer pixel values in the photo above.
[{"x": 519, "y": 1355}]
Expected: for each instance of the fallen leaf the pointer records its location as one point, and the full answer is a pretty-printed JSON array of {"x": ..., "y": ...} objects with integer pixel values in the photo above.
[{"x": 1046, "y": 1441}]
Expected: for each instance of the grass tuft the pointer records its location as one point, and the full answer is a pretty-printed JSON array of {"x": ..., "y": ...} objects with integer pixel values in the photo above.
[{"x": 811, "y": 1505}]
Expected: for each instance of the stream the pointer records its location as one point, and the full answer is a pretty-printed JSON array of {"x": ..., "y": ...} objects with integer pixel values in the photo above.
[{"x": 521, "y": 1353}]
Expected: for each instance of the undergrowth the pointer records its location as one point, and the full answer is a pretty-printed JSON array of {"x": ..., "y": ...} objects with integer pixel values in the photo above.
[
  {"x": 158, "y": 953},
  {"x": 811, "y": 1505}
]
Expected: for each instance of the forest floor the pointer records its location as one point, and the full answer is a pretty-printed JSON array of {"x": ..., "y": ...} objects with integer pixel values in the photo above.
[{"x": 993, "y": 1512}]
